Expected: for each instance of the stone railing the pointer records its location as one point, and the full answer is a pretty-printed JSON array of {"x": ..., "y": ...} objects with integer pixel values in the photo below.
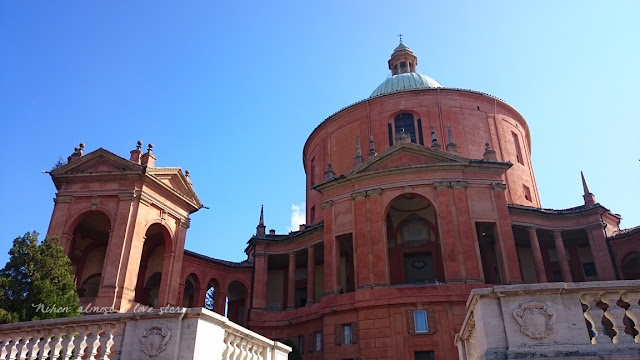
[
  {"x": 592, "y": 320},
  {"x": 185, "y": 334}
]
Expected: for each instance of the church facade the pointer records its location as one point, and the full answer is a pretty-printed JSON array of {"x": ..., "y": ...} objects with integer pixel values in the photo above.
[{"x": 415, "y": 196}]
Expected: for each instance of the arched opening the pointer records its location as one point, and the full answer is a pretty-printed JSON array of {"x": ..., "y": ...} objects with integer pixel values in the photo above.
[
  {"x": 412, "y": 240},
  {"x": 189, "y": 294},
  {"x": 88, "y": 250},
  {"x": 151, "y": 265},
  {"x": 405, "y": 123},
  {"x": 631, "y": 266},
  {"x": 236, "y": 299},
  {"x": 210, "y": 296}
]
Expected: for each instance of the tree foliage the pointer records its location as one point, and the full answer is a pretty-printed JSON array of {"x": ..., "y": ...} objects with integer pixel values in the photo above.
[{"x": 36, "y": 283}]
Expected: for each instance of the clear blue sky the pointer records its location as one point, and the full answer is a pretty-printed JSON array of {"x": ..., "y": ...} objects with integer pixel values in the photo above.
[{"x": 231, "y": 90}]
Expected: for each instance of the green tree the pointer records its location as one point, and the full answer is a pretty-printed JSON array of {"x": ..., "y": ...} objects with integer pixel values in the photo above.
[{"x": 36, "y": 283}]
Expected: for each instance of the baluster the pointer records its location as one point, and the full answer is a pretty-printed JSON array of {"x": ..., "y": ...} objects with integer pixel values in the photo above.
[
  {"x": 20, "y": 347},
  {"x": 616, "y": 314},
  {"x": 66, "y": 344},
  {"x": 93, "y": 341},
  {"x": 54, "y": 345},
  {"x": 8, "y": 346},
  {"x": 228, "y": 350},
  {"x": 32, "y": 346},
  {"x": 594, "y": 315},
  {"x": 15, "y": 346},
  {"x": 80, "y": 343},
  {"x": 243, "y": 349},
  {"x": 236, "y": 348},
  {"x": 633, "y": 312},
  {"x": 43, "y": 347},
  {"x": 106, "y": 341},
  {"x": 116, "y": 348}
]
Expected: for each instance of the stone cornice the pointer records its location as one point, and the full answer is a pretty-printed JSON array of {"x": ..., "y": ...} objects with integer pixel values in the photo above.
[
  {"x": 496, "y": 168},
  {"x": 327, "y": 204},
  {"x": 498, "y": 186}
]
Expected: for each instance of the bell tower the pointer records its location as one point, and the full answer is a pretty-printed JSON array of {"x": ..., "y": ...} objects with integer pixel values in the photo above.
[{"x": 123, "y": 224}]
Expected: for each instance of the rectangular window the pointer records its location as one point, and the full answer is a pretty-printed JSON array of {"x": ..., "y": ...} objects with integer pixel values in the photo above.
[
  {"x": 347, "y": 334},
  {"x": 312, "y": 178},
  {"x": 301, "y": 344},
  {"x": 318, "y": 336},
  {"x": 527, "y": 192},
  {"x": 420, "y": 132},
  {"x": 425, "y": 355},
  {"x": 312, "y": 216},
  {"x": 516, "y": 143},
  {"x": 420, "y": 321}
]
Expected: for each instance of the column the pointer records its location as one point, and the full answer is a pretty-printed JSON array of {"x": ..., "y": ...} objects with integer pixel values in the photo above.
[
  {"x": 562, "y": 256},
  {"x": 219, "y": 300},
  {"x": 453, "y": 267},
  {"x": 330, "y": 245},
  {"x": 379, "y": 260},
  {"x": 469, "y": 247},
  {"x": 291, "y": 282},
  {"x": 600, "y": 252},
  {"x": 260, "y": 281},
  {"x": 506, "y": 243},
  {"x": 537, "y": 256},
  {"x": 360, "y": 242},
  {"x": 311, "y": 276},
  {"x": 167, "y": 264}
]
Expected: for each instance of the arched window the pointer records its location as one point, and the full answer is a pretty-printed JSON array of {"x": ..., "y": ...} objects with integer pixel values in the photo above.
[{"x": 404, "y": 122}]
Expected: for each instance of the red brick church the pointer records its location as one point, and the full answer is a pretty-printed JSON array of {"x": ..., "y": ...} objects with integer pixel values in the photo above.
[{"x": 415, "y": 196}]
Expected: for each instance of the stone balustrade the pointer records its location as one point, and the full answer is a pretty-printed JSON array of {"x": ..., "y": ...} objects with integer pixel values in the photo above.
[
  {"x": 185, "y": 334},
  {"x": 591, "y": 320}
]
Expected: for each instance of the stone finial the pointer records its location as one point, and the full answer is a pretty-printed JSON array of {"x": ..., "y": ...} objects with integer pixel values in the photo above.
[
  {"x": 187, "y": 174},
  {"x": 489, "y": 153},
  {"x": 77, "y": 152},
  {"x": 260, "y": 229},
  {"x": 589, "y": 198},
  {"x": 402, "y": 137},
  {"x": 148, "y": 159},
  {"x": 434, "y": 140},
  {"x": 358, "y": 159},
  {"x": 136, "y": 154},
  {"x": 451, "y": 146},
  {"x": 329, "y": 173},
  {"x": 372, "y": 146}
]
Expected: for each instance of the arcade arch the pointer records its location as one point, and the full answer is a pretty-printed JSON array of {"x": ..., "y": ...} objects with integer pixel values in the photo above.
[
  {"x": 631, "y": 266},
  {"x": 88, "y": 249},
  {"x": 413, "y": 242},
  {"x": 157, "y": 242}
]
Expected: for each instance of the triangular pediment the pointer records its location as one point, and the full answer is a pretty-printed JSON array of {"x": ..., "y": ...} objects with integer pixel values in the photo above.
[
  {"x": 405, "y": 155},
  {"x": 174, "y": 179},
  {"x": 98, "y": 161}
]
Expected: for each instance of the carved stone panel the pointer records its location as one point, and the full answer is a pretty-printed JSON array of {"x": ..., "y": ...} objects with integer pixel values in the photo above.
[
  {"x": 536, "y": 319},
  {"x": 154, "y": 340}
]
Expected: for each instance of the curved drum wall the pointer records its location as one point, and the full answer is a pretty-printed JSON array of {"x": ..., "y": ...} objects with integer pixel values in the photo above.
[{"x": 474, "y": 118}]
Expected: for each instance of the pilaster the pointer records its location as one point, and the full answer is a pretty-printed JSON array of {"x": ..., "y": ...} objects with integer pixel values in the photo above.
[
  {"x": 453, "y": 265},
  {"x": 505, "y": 241}
]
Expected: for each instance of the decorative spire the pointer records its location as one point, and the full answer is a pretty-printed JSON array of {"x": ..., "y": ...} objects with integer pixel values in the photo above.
[
  {"x": 489, "y": 153},
  {"x": 434, "y": 140},
  {"x": 148, "y": 159},
  {"x": 260, "y": 229},
  {"x": 77, "y": 152},
  {"x": 589, "y": 198},
  {"x": 357, "y": 160},
  {"x": 136, "y": 154},
  {"x": 372, "y": 146},
  {"x": 451, "y": 146},
  {"x": 329, "y": 173},
  {"x": 261, "y": 215}
]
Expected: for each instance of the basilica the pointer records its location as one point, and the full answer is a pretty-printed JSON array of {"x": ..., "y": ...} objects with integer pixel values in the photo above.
[{"x": 415, "y": 196}]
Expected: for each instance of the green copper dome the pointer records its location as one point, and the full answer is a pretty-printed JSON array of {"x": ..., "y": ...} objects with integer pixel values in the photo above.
[{"x": 405, "y": 82}]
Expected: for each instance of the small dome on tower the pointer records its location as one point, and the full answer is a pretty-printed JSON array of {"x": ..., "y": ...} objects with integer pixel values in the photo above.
[{"x": 405, "y": 78}]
